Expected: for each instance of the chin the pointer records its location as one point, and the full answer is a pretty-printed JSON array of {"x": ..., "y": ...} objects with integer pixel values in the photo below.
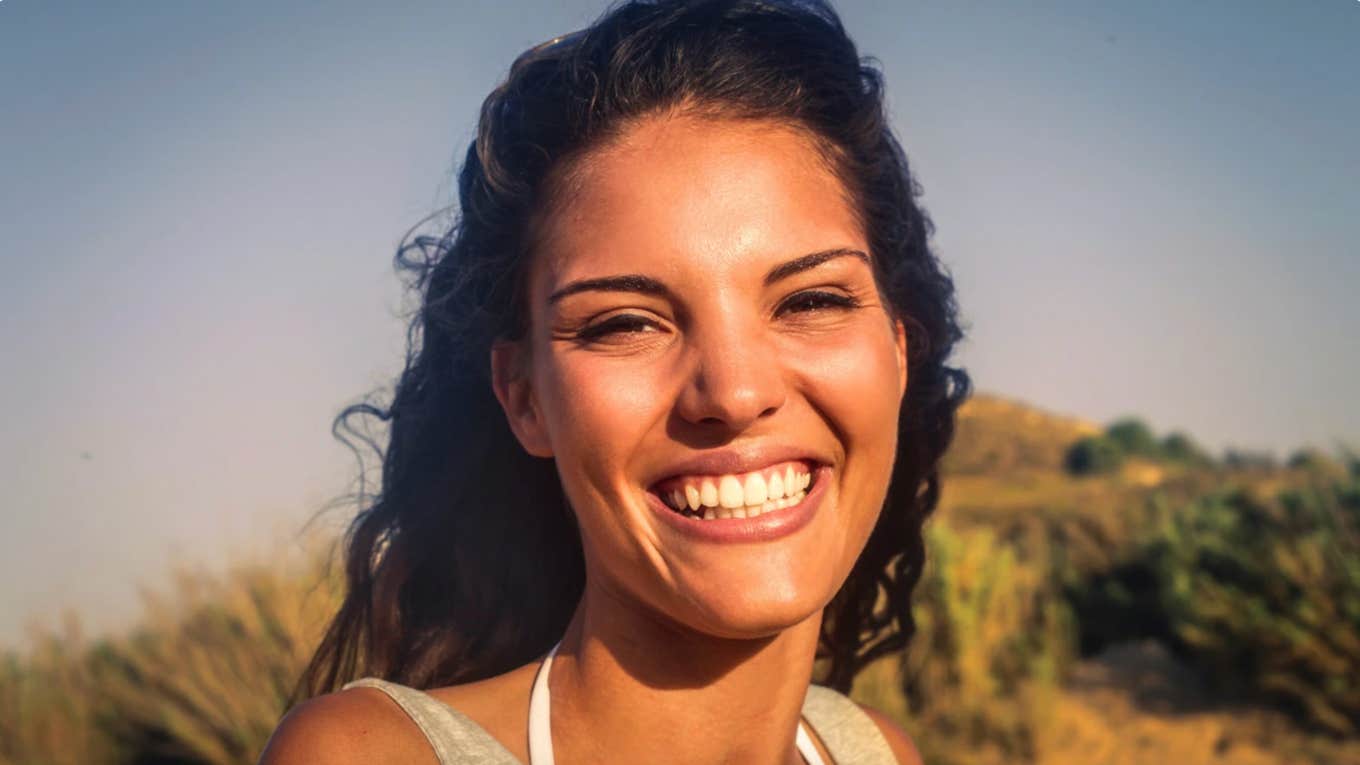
[{"x": 756, "y": 613}]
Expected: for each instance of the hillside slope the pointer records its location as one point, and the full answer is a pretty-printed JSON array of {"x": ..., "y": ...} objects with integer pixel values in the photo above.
[{"x": 1000, "y": 434}]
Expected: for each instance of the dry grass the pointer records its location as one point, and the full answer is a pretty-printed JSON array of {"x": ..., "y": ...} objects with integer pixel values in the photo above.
[
  {"x": 204, "y": 678},
  {"x": 49, "y": 702},
  {"x": 981, "y": 676}
]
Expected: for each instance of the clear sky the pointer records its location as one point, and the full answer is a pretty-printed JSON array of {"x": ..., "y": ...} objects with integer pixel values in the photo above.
[{"x": 1149, "y": 207}]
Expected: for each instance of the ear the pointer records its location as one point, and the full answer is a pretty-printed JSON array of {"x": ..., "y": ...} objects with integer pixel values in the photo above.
[
  {"x": 510, "y": 381},
  {"x": 900, "y": 335}
]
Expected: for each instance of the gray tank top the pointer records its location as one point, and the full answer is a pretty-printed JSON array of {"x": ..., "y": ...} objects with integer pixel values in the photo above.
[{"x": 850, "y": 735}]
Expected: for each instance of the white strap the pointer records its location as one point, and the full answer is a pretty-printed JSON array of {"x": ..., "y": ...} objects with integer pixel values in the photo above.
[
  {"x": 540, "y": 715},
  {"x": 540, "y": 722},
  {"x": 806, "y": 748}
]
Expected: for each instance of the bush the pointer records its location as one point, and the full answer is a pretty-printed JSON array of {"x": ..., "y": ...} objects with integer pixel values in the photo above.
[
  {"x": 1178, "y": 447},
  {"x": 993, "y": 637},
  {"x": 1133, "y": 437},
  {"x": 1314, "y": 461},
  {"x": 1093, "y": 455},
  {"x": 1266, "y": 594}
]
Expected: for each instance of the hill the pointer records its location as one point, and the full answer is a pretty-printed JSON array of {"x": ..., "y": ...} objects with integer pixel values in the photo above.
[{"x": 1000, "y": 435}]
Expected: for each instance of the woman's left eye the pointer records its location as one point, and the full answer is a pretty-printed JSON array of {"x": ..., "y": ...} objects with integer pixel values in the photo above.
[{"x": 813, "y": 300}]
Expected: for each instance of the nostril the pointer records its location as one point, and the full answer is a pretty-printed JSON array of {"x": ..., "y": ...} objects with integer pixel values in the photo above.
[
  {"x": 723, "y": 407},
  {"x": 730, "y": 386}
]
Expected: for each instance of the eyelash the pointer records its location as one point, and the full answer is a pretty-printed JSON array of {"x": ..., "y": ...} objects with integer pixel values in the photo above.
[
  {"x": 810, "y": 300},
  {"x": 615, "y": 324},
  {"x": 802, "y": 302}
]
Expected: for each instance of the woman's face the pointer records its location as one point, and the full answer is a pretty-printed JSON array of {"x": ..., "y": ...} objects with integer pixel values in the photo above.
[{"x": 706, "y": 334}]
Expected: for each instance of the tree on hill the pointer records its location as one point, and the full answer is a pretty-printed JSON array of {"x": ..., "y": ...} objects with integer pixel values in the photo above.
[
  {"x": 1092, "y": 455},
  {"x": 1178, "y": 447},
  {"x": 1314, "y": 460},
  {"x": 1133, "y": 437}
]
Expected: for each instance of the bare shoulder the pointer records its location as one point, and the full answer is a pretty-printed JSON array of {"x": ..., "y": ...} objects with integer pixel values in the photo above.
[
  {"x": 499, "y": 705},
  {"x": 360, "y": 725},
  {"x": 898, "y": 740}
]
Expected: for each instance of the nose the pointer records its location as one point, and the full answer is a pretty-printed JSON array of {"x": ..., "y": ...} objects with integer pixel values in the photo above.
[{"x": 735, "y": 379}]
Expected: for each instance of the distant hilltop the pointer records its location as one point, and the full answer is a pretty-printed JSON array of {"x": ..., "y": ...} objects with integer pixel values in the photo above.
[{"x": 996, "y": 433}]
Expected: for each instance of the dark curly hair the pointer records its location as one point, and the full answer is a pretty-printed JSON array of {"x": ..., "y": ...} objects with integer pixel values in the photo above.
[{"x": 440, "y": 592}]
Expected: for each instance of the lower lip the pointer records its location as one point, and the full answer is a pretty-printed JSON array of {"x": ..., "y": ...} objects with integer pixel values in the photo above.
[{"x": 762, "y": 528}]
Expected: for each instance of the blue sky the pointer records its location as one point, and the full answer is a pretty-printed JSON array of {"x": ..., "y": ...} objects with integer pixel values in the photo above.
[{"x": 1148, "y": 207}]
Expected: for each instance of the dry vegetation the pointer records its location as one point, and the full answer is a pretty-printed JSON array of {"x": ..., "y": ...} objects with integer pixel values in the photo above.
[
  {"x": 1161, "y": 608},
  {"x": 203, "y": 678}
]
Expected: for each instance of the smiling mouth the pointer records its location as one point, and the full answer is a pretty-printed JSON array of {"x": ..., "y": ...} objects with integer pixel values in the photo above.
[{"x": 737, "y": 495}]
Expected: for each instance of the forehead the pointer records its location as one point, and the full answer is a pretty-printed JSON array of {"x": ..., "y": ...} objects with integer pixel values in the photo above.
[{"x": 678, "y": 194}]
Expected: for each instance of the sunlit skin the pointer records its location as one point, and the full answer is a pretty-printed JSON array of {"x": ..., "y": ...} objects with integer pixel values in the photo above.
[{"x": 748, "y": 345}]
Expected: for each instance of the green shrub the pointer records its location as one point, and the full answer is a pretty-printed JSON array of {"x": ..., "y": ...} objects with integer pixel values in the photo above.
[
  {"x": 1178, "y": 447},
  {"x": 1265, "y": 593},
  {"x": 1320, "y": 464},
  {"x": 1093, "y": 455},
  {"x": 1133, "y": 437}
]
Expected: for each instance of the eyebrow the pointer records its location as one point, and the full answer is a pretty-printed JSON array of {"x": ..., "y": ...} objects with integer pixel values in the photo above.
[
  {"x": 646, "y": 285},
  {"x": 806, "y": 262}
]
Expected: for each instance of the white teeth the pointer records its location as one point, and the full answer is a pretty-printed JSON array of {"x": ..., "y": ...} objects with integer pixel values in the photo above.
[
  {"x": 753, "y": 492},
  {"x": 731, "y": 496},
  {"x": 692, "y": 497},
  {"x": 708, "y": 494},
  {"x": 729, "y": 492},
  {"x": 775, "y": 488},
  {"x": 750, "y": 511}
]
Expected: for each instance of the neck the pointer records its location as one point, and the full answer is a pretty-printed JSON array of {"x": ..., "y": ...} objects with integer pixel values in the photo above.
[{"x": 627, "y": 687}]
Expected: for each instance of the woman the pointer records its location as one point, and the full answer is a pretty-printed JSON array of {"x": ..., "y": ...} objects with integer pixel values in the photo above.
[{"x": 670, "y": 420}]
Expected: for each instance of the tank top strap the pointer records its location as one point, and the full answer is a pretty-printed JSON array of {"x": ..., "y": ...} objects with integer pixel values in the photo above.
[
  {"x": 847, "y": 731},
  {"x": 453, "y": 735}
]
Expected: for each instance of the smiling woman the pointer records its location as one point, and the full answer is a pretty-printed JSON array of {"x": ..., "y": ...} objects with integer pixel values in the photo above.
[
  {"x": 716, "y": 329},
  {"x": 670, "y": 420}
]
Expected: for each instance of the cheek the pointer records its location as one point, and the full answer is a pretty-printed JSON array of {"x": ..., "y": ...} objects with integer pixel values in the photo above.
[
  {"x": 599, "y": 414},
  {"x": 598, "y": 410},
  {"x": 855, "y": 384}
]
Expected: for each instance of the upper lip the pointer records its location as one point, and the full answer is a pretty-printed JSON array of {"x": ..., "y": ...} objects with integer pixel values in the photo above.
[{"x": 737, "y": 459}]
